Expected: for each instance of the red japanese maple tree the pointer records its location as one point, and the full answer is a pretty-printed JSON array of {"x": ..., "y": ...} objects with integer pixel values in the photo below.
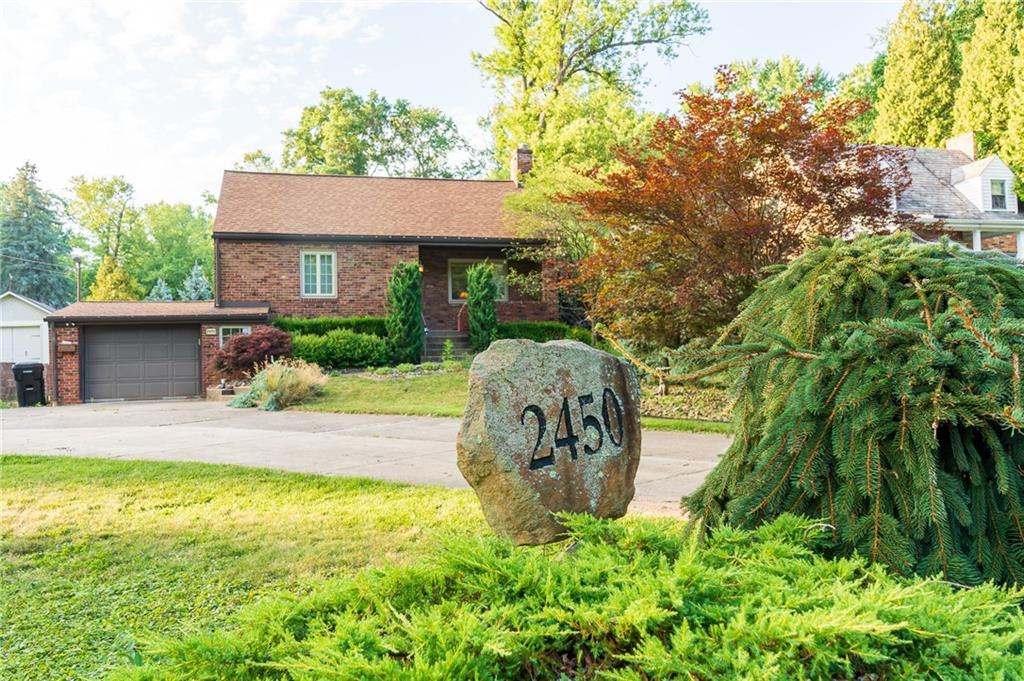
[{"x": 696, "y": 211}]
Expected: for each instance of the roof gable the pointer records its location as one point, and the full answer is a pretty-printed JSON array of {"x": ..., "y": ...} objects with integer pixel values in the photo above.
[
  {"x": 42, "y": 307},
  {"x": 932, "y": 191},
  {"x": 355, "y": 206}
]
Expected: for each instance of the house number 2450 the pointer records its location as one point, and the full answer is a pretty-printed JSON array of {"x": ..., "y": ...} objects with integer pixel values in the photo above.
[{"x": 611, "y": 409}]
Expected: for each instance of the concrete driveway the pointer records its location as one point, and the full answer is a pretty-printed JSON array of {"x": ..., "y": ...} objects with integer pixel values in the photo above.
[{"x": 415, "y": 449}]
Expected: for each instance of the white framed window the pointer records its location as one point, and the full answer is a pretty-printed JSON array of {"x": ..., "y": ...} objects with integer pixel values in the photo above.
[
  {"x": 316, "y": 273},
  {"x": 998, "y": 188},
  {"x": 458, "y": 280},
  {"x": 226, "y": 332}
]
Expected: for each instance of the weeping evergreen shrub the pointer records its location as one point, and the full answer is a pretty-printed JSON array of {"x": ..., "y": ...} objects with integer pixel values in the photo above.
[
  {"x": 404, "y": 321},
  {"x": 633, "y": 600},
  {"x": 483, "y": 314},
  {"x": 878, "y": 387}
]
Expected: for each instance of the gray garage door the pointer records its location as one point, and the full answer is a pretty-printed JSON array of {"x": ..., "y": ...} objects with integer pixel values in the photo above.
[{"x": 140, "y": 362}]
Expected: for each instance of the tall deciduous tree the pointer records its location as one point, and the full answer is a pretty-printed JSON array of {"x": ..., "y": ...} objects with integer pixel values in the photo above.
[
  {"x": 171, "y": 239},
  {"x": 104, "y": 207},
  {"x": 567, "y": 71},
  {"x": 34, "y": 246},
  {"x": 114, "y": 283},
  {"x": 864, "y": 83},
  {"x": 915, "y": 103},
  {"x": 983, "y": 98},
  {"x": 713, "y": 196},
  {"x": 346, "y": 133},
  {"x": 772, "y": 79}
]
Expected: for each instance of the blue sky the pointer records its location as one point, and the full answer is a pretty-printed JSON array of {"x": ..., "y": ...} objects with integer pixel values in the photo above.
[{"x": 170, "y": 94}]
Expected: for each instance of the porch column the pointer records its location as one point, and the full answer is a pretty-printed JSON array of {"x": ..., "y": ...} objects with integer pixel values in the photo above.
[
  {"x": 976, "y": 240},
  {"x": 1020, "y": 245}
]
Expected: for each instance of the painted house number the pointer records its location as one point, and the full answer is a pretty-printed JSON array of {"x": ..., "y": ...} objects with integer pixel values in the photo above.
[{"x": 611, "y": 408}]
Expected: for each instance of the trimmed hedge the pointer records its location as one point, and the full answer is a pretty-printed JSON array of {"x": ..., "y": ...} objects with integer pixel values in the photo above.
[
  {"x": 341, "y": 349},
  {"x": 543, "y": 332},
  {"x": 318, "y": 326}
]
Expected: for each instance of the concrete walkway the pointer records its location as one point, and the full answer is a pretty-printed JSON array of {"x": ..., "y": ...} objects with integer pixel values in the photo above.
[{"x": 415, "y": 449}]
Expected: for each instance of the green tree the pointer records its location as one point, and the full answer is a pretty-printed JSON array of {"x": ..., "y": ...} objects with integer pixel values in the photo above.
[
  {"x": 567, "y": 72},
  {"x": 1011, "y": 148},
  {"x": 160, "y": 291},
  {"x": 34, "y": 246},
  {"x": 170, "y": 239},
  {"x": 104, "y": 208},
  {"x": 864, "y": 83},
  {"x": 915, "y": 103},
  {"x": 982, "y": 102},
  {"x": 346, "y": 133},
  {"x": 195, "y": 286},
  {"x": 404, "y": 321},
  {"x": 114, "y": 283},
  {"x": 772, "y": 79},
  {"x": 878, "y": 388},
  {"x": 483, "y": 314}
]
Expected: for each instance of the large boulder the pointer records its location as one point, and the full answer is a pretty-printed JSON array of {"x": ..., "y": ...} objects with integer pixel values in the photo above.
[{"x": 549, "y": 428}]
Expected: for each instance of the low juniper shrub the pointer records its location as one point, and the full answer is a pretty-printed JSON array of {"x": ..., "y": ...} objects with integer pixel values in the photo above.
[{"x": 634, "y": 600}]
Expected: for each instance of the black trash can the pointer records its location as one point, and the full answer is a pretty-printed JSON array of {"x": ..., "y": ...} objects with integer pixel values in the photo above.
[{"x": 29, "y": 378}]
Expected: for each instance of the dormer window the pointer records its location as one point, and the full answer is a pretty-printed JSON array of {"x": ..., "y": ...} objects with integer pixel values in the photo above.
[{"x": 998, "y": 194}]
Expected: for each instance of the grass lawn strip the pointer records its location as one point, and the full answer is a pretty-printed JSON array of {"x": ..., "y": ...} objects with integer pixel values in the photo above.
[
  {"x": 94, "y": 552},
  {"x": 439, "y": 394}
]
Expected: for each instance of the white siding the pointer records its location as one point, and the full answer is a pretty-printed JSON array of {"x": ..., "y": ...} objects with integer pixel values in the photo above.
[
  {"x": 997, "y": 170},
  {"x": 24, "y": 335}
]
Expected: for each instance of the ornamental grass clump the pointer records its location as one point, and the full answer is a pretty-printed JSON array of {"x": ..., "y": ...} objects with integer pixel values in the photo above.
[
  {"x": 633, "y": 600},
  {"x": 282, "y": 383},
  {"x": 878, "y": 387}
]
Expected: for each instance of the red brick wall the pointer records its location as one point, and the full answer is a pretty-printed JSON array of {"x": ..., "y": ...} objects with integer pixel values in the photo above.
[
  {"x": 269, "y": 271},
  {"x": 441, "y": 314},
  {"x": 66, "y": 366}
]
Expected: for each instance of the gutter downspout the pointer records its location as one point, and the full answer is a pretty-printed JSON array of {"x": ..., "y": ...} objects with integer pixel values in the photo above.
[
  {"x": 55, "y": 393},
  {"x": 216, "y": 274}
]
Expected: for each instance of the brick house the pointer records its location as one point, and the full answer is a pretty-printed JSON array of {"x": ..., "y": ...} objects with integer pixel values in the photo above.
[{"x": 297, "y": 245}]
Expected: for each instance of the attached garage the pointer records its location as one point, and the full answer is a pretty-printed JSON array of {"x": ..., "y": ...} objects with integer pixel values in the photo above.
[
  {"x": 141, "y": 350},
  {"x": 140, "y": 362}
]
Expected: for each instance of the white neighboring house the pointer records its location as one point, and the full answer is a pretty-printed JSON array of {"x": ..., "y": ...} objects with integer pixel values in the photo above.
[
  {"x": 973, "y": 198},
  {"x": 23, "y": 333}
]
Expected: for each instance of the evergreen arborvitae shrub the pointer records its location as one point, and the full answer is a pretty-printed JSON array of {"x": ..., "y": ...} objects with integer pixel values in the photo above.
[
  {"x": 878, "y": 387},
  {"x": 405, "y": 312},
  {"x": 483, "y": 314}
]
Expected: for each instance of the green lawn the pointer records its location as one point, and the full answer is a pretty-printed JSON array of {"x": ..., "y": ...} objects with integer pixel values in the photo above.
[
  {"x": 95, "y": 553},
  {"x": 438, "y": 394}
]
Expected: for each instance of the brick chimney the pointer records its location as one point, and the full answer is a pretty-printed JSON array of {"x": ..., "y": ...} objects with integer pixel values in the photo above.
[
  {"x": 963, "y": 142},
  {"x": 521, "y": 164}
]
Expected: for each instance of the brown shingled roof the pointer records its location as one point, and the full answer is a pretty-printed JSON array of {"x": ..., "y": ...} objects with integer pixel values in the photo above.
[
  {"x": 155, "y": 311},
  {"x": 338, "y": 205}
]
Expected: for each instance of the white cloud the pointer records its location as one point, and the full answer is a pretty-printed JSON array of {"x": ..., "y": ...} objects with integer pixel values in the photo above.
[
  {"x": 359, "y": 70},
  {"x": 261, "y": 18},
  {"x": 370, "y": 34},
  {"x": 153, "y": 29},
  {"x": 330, "y": 25},
  {"x": 223, "y": 51}
]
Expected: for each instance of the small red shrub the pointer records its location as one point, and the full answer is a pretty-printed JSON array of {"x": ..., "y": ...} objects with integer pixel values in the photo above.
[{"x": 241, "y": 354}]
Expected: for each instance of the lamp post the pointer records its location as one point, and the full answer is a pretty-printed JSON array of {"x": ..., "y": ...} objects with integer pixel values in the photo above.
[{"x": 78, "y": 277}]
